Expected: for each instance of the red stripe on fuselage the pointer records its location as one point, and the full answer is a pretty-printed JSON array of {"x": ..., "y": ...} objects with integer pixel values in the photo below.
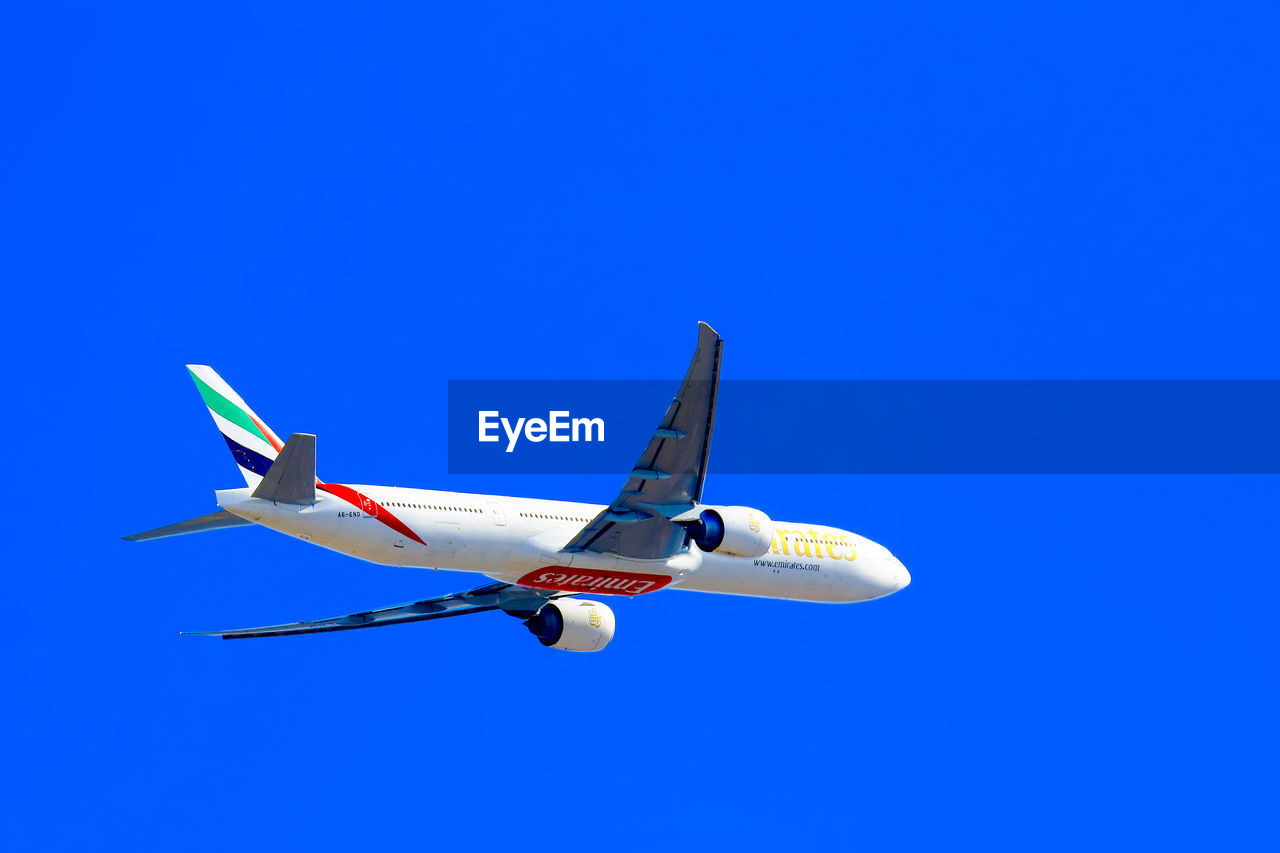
[{"x": 358, "y": 500}]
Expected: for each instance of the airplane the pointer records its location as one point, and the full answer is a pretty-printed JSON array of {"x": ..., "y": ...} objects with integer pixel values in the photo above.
[{"x": 541, "y": 555}]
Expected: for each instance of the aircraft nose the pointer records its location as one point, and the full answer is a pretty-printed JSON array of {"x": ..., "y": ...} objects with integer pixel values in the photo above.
[
  {"x": 878, "y": 573},
  {"x": 895, "y": 574},
  {"x": 902, "y": 577}
]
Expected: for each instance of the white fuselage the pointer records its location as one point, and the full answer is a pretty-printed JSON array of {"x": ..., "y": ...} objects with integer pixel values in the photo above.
[{"x": 519, "y": 540}]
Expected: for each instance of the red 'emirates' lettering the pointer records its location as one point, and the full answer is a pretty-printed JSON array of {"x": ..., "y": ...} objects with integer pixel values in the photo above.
[{"x": 589, "y": 580}]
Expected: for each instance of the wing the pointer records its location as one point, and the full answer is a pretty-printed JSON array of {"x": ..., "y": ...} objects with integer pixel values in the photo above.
[
  {"x": 516, "y": 600},
  {"x": 667, "y": 479}
]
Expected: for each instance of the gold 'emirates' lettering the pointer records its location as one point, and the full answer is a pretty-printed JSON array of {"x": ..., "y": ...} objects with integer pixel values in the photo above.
[{"x": 811, "y": 543}]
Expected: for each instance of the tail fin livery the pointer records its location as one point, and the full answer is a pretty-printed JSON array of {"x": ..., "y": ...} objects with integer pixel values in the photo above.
[{"x": 253, "y": 445}]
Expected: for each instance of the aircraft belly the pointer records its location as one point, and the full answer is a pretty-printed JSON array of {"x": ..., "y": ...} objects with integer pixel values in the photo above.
[
  {"x": 803, "y": 579},
  {"x": 362, "y": 538}
]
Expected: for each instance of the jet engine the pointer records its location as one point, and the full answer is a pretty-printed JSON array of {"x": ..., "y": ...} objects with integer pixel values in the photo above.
[
  {"x": 573, "y": 624},
  {"x": 736, "y": 530}
]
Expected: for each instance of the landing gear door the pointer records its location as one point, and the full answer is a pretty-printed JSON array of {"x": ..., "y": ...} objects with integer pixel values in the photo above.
[{"x": 499, "y": 518}]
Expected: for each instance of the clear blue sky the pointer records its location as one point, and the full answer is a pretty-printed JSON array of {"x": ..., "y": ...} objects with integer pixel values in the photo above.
[{"x": 342, "y": 207}]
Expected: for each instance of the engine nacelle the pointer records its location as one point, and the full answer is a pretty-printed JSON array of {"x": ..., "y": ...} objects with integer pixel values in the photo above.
[
  {"x": 736, "y": 530},
  {"x": 573, "y": 624}
]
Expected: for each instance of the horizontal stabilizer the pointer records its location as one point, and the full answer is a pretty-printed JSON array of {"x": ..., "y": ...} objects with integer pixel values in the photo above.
[
  {"x": 213, "y": 521},
  {"x": 292, "y": 477}
]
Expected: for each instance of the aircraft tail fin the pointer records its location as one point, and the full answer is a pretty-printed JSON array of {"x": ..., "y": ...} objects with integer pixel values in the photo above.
[
  {"x": 213, "y": 521},
  {"x": 253, "y": 445}
]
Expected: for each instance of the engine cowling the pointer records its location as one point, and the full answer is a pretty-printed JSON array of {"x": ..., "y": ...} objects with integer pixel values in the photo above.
[
  {"x": 573, "y": 624},
  {"x": 736, "y": 530}
]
